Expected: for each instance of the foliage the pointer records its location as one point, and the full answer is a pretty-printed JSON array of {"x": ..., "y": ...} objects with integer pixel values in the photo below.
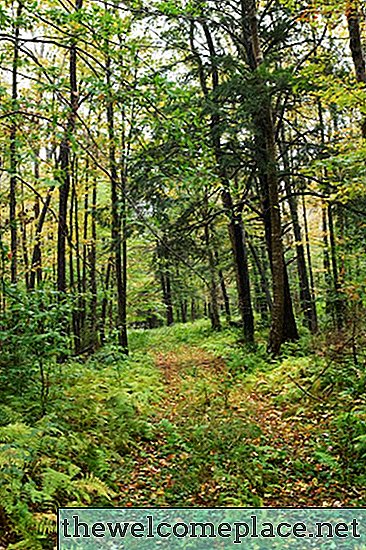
[
  {"x": 72, "y": 456},
  {"x": 164, "y": 166}
]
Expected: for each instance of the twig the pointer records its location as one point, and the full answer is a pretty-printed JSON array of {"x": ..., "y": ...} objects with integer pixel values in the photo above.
[{"x": 304, "y": 390}]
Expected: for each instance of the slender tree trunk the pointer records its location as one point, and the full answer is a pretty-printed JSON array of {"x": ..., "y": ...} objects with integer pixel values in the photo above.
[
  {"x": 338, "y": 301},
  {"x": 116, "y": 219},
  {"x": 214, "y": 309},
  {"x": 335, "y": 303},
  {"x": 36, "y": 262},
  {"x": 283, "y": 325},
  {"x": 14, "y": 152},
  {"x": 124, "y": 248},
  {"x": 193, "y": 310},
  {"x": 307, "y": 304},
  {"x": 326, "y": 261},
  {"x": 238, "y": 244},
  {"x": 103, "y": 314},
  {"x": 236, "y": 227},
  {"x": 165, "y": 282},
  {"x": 169, "y": 301},
  {"x": 75, "y": 285},
  {"x": 75, "y": 328},
  {"x": 64, "y": 165},
  {"x": 355, "y": 42},
  {"x": 83, "y": 314},
  {"x": 62, "y": 215},
  {"x": 224, "y": 292},
  {"x": 24, "y": 240},
  {"x": 308, "y": 250},
  {"x": 265, "y": 287},
  {"x": 183, "y": 310},
  {"x": 93, "y": 270}
]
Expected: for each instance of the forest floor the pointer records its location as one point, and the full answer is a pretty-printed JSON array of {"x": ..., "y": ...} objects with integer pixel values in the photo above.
[
  {"x": 191, "y": 418},
  {"x": 225, "y": 436}
]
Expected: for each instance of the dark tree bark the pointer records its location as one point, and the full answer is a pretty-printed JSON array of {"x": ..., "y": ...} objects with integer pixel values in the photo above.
[
  {"x": 165, "y": 280},
  {"x": 118, "y": 249},
  {"x": 39, "y": 216},
  {"x": 14, "y": 153},
  {"x": 36, "y": 262},
  {"x": 103, "y": 313},
  {"x": 307, "y": 303},
  {"x": 308, "y": 253},
  {"x": 224, "y": 292},
  {"x": 193, "y": 310},
  {"x": 85, "y": 256},
  {"x": 339, "y": 306},
  {"x": 93, "y": 270},
  {"x": 124, "y": 246},
  {"x": 75, "y": 285},
  {"x": 64, "y": 165},
  {"x": 283, "y": 325},
  {"x": 266, "y": 298},
  {"x": 355, "y": 42},
  {"x": 183, "y": 310},
  {"x": 214, "y": 306},
  {"x": 62, "y": 215},
  {"x": 24, "y": 239},
  {"x": 236, "y": 227},
  {"x": 335, "y": 302},
  {"x": 326, "y": 261},
  {"x": 238, "y": 244}
]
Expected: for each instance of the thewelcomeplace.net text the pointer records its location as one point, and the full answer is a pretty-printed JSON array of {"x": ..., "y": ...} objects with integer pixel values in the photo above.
[{"x": 238, "y": 531}]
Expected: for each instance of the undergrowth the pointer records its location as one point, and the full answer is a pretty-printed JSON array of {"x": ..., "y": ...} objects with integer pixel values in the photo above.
[
  {"x": 96, "y": 413},
  {"x": 119, "y": 431}
]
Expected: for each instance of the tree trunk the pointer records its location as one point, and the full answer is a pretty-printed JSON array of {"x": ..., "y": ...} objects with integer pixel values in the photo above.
[
  {"x": 266, "y": 304},
  {"x": 224, "y": 293},
  {"x": 24, "y": 240},
  {"x": 93, "y": 270},
  {"x": 335, "y": 303},
  {"x": 124, "y": 250},
  {"x": 339, "y": 306},
  {"x": 193, "y": 310},
  {"x": 214, "y": 309},
  {"x": 165, "y": 282},
  {"x": 326, "y": 262},
  {"x": 36, "y": 262},
  {"x": 103, "y": 313},
  {"x": 116, "y": 219},
  {"x": 283, "y": 325},
  {"x": 307, "y": 304},
  {"x": 238, "y": 244},
  {"x": 75, "y": 285},
  {"x": 236, "y": 227},
  {"x": 14, "y": 153},
  {"x": 308, "y": 254},
  {"x": 355, "y": 42},
  {"x": 85, "y": 256},
  {"x": 64, "y": 165}
]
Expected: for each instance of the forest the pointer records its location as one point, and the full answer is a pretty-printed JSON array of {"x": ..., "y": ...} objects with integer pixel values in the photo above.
[{"x": 182, "y": 256}]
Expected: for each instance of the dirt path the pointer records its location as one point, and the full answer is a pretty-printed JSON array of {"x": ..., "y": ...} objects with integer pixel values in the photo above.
[{"x": 251, "y": 451}]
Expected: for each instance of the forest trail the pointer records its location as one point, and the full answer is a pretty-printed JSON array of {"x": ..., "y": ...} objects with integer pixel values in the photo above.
[{"x": 259, "y": 451}]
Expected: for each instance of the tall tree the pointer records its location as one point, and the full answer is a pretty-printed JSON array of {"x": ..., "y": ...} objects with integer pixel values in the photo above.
[
  {"x": 283, "y": 326},
  {"x": 116, "y": 215},
  {"x": 14, "y": 148},
  {"x": 355, "y": 42},
  {"x": 65, "y": 163},
  {"x": 236, "y": 226}
]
